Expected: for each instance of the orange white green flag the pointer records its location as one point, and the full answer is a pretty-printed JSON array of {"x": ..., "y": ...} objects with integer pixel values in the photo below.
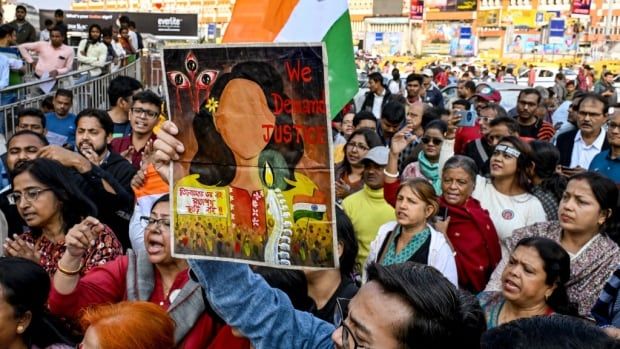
[{"x": 325, "y": 21}]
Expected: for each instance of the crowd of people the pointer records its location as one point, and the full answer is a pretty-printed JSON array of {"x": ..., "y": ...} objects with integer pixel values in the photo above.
[
  {"x": 103, "y": 50},
  {"x": 494, "y": 232}
]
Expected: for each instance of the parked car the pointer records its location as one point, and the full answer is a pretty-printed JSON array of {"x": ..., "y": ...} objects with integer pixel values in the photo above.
[
  {"x": 545, "y": 77},
  {"x": 509, "y": 93}
]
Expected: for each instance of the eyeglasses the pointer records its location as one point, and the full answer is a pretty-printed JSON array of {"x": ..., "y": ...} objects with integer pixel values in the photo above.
[
  {"x": 612, "y": 126},
  {"x": 342, "y": 310},
  {"x": 30, "y": 195},
  {"x": 585, "y": 114},
  {"x": 150, "y": 113},
  {"x": 436, "y": 141},
  {"x": 359, "y": 146},
  {"x": 152, "y": 222}
]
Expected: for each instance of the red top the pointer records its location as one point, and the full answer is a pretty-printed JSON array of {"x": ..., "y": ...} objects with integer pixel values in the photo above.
[
  {"x": 107, "y": 284},
  {"x": 121, "y": 144},
  {"x": 105, "y": 249},
  {"x": 465, "y": 135},
  {"x": 473, "y": 236}
]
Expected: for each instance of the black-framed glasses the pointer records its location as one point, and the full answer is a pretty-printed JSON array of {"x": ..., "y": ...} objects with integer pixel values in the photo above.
[
  {"x": 30, "y": 195},
  {"x": 342, "y": 311},
  {"x": 436, "y": 141},
  {"x": 153, "y": 222},
  {"x": 150, "y": 113},
  {"x": 612, "y": 126},
  {"x": 359, "y": 146}
]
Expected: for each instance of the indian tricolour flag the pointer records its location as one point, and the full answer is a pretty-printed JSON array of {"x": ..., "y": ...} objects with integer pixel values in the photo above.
[{"x": 302, "y": 21}]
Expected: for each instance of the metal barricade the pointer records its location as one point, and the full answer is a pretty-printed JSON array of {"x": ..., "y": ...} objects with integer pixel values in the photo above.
[{"x": 89, "y": 94}]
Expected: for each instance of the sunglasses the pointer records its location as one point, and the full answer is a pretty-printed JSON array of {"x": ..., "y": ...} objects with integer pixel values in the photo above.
[{"x": 436, "y": 141}]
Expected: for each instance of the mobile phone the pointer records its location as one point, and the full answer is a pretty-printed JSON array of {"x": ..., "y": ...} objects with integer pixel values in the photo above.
[
  {"x": 442, "y": 214},
  {"x": 468, "y": 118}
]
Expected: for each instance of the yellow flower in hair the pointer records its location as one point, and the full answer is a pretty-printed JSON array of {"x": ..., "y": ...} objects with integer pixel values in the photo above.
[{"x": 212, "y": 105}]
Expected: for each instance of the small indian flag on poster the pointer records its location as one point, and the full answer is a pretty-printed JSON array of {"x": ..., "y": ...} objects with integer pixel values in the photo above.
[
  {"x": 325, "y": 21},
  {"x": 308, "y": 207}
]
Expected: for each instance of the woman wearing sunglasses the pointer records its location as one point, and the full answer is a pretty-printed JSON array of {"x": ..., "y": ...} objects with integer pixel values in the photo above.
[
  {"x": 51, "y": 205},
  {"x": 427, "y": 166},
  {"x": 151, "y": 275},
  {"x": 507, "y": 194},
  {"x": 349, "y": 172}
]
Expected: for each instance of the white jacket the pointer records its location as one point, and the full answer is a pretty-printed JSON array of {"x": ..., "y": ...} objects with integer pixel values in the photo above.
[
  {"x": 440, "y": 254},
  {"x": 94, "y": 58}
]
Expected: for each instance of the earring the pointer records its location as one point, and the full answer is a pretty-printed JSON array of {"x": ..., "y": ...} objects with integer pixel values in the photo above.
[{"x": 20, "y": 329}]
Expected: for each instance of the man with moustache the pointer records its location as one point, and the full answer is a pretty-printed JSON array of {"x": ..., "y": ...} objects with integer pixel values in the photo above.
[
  {"x": 107, "y": 174},
  {"x": 579, "y": 147},
  {"x": 22, "y": 146},
  {"x": 367, "y": 208}
]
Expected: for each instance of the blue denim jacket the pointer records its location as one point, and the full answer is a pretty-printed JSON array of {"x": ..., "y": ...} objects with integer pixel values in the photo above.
[{"x": 263, "y": 314}]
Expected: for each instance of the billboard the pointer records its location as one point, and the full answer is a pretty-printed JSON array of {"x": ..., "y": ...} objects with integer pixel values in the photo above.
[
  {"x": 451, "y": 5},
  {"x": 163, "y": 25},
  {"x": 416, "y": 11},
  {"x": 449, "y": 38},
  {"x": 387, "y": 8},
  {"x": 489, "y": 18},
  {"x": 520, "y": 18},
  {"x": 581, "y": 7}
]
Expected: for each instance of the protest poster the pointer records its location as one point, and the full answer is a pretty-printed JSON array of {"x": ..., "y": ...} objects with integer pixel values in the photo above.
[{"x": 255, "y": 183}]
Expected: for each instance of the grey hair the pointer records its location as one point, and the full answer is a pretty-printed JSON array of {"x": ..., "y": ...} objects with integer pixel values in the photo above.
[{"x": 464, "y": 162}]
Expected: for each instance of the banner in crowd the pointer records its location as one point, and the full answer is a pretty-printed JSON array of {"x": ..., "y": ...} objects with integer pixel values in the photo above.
[
  {"x": 161, "y": 25},
  {"x": 556, "y": 30},
  {"x": 303, "y": 21},
  {"x": 256, "y": 179},
  {"x": 451, "y": 5},
  {"x": 581, "y": 7},
  {"x": 416, "y": 11},
  {"x": 489, "y": 18}
]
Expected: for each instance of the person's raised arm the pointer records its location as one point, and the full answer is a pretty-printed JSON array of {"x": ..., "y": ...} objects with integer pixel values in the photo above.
[
  {"x": 77, "y": 241},
  {"x": 400, "y": 141},
  {"x": 167, "y": 148}
]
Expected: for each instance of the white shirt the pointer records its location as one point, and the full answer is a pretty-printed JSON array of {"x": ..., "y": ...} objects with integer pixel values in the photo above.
[
  {"x": 582, "y": 153},
  {"x": 508, "y": 212},
  {"x": 377, "y": 104}
]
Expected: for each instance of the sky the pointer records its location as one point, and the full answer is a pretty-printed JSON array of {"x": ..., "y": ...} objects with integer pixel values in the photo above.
[{"x": 47, "y": 4}]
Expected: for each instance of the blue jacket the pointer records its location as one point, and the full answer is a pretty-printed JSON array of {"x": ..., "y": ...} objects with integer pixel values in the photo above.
[{"x": 263, "y": 314}]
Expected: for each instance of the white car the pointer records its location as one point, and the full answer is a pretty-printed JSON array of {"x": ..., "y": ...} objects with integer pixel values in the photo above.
[{"x": 545, "y": 77}]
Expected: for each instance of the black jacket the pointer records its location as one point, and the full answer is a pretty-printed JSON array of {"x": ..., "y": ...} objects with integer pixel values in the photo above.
[
  {"x": 480, "y": 151},
  {"x": 565, "y": 143},
  {"x": 370, "y": 100}
]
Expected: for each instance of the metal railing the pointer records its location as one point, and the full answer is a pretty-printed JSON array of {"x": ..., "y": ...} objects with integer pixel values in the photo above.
[{"x": 89, "y": 94}]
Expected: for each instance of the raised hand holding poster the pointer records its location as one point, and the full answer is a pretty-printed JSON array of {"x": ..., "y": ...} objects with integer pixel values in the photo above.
[{"x": 256, "y": 181}]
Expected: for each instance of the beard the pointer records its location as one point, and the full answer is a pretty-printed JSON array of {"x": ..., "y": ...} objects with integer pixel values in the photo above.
[{"x": 99, "y": 149}]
